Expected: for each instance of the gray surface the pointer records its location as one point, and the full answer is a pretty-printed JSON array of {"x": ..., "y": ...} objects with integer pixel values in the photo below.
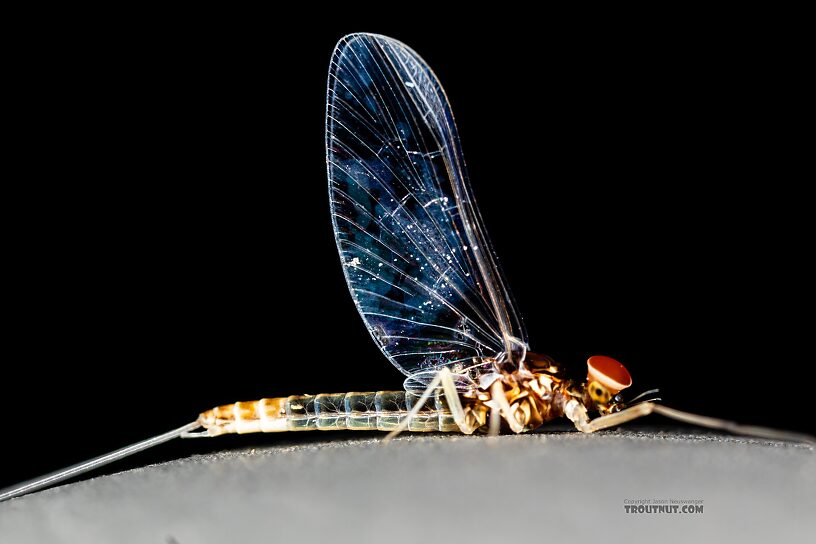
[{"x": 562, "y": 487}]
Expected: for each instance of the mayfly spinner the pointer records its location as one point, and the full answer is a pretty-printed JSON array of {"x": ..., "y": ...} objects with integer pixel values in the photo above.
[{"x": 426, "y": 282}]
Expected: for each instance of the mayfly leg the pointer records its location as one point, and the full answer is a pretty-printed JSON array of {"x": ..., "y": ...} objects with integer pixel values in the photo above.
[
  {"x": 92, "y": 464},
  {"x": 454, "y": 404},
  {"x": 500, "y": 400},
  {"x": 500, "y": 407},
  {"x": 495, "y": 421},
  {"x": 646, "y": 408},
  {"x": 443, "y": 378}
]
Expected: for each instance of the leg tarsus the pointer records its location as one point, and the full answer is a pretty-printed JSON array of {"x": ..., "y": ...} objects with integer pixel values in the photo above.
[{"x": 495, "y": 421}]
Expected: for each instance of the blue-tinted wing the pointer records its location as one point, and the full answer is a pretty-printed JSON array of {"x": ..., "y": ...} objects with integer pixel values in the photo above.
[{"x": 416, "y": 258}]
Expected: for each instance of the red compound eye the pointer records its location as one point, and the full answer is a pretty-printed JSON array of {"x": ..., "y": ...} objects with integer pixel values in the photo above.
[{"x": 608, "y": 372}]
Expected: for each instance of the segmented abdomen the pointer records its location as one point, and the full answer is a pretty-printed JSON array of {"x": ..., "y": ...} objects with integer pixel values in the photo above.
[{"x": 380, "y": 410}]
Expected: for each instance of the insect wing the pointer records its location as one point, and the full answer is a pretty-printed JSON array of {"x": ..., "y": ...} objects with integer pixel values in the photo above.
[{"x": 415, "y": 256}]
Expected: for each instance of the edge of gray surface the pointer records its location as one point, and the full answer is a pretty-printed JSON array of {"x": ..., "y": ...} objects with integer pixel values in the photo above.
[{"x": 543, "y": 486}]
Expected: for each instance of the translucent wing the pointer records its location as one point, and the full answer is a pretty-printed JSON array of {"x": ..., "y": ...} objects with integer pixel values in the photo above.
[{"x": 416, "y": 258}]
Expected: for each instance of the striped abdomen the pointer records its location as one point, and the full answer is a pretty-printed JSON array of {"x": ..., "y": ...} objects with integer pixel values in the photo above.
[{"x": 381, "y": 411}]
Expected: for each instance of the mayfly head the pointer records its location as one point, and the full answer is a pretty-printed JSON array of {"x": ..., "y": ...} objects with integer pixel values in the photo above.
[{"x": 606, "y": 377}]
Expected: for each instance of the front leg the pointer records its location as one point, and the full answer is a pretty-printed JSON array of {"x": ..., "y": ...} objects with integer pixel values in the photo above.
[{"x": 577, "y": 413}]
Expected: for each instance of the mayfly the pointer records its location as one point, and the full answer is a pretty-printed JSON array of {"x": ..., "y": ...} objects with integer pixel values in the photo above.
[{"x": 425, "y": 280}]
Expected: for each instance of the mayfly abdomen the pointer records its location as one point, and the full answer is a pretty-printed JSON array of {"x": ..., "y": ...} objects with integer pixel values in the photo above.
[{"x": 380, "y": 410}]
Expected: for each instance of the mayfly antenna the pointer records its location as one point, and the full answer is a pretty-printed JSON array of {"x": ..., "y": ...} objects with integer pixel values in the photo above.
[{"x": 92, "y": 464}]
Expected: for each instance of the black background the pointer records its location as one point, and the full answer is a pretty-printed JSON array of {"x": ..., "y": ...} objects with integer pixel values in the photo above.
[{"x": 170, "y": 249}]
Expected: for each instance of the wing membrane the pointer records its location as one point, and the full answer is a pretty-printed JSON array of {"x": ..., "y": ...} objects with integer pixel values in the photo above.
[{"x": 415, "y": 256}]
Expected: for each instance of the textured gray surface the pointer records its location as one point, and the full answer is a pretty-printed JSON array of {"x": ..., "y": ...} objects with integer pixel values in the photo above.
[{"x": 562, "y": 487}]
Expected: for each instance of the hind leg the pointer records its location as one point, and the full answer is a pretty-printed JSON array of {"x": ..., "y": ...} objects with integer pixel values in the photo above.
[{"x": 443, "y": 378}]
